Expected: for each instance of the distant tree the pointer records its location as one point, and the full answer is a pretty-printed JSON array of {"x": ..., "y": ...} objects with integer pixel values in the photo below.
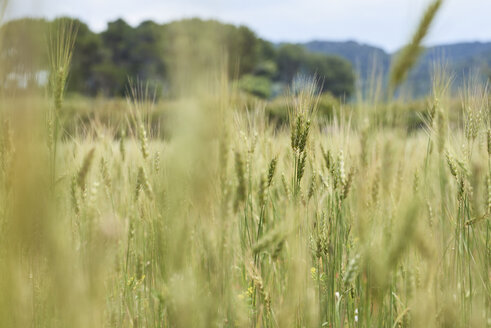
[
  {"x": 243, "y": 49},
  {"x": 266, "y": 68},
  {"x": 119, "y": 40},
  {"x": 259, "y": 86},
  {"x": 180, "y": 55},
  {"x": 335, "y": 74},
  {"x": 147, "y": 53},
  {"x": 88, "y": 55},
  {"x": 290, "y": 60}
]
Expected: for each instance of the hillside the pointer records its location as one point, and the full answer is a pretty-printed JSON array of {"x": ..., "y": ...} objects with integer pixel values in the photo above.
[
  {"x": 361, "y": 56},
  {"x": 460, "y": 58}
]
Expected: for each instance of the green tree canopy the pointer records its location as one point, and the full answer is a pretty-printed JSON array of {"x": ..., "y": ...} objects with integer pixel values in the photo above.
[
  {"x": 176, "y": 55},
  {"x": 336, "y": 74}
]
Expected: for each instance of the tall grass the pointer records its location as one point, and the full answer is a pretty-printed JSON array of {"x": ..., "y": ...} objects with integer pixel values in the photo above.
[
  {"x": 409, "y": 55},
  {"x": 231, "y": 221},
  {"x": 60, "y": 51}
]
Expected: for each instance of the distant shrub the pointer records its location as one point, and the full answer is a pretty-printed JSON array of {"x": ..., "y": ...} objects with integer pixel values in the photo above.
[
  {"x": 259, "y": 86},
  {"x": 327, "y": 106}
]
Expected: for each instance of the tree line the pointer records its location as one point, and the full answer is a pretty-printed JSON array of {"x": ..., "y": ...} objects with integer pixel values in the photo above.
[{"x": 169, "y": 56}]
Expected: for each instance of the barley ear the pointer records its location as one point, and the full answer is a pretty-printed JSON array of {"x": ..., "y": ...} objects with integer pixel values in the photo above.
[
  {"x": 408, "y": 56},
  {"x": 84, "y": 169}
]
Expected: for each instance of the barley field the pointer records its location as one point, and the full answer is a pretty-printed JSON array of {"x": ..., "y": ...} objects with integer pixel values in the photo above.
[{"x": 215, "y": 215}]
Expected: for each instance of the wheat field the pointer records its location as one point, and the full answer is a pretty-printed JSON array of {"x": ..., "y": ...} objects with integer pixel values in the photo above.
[{"x": 233, "y": 220}]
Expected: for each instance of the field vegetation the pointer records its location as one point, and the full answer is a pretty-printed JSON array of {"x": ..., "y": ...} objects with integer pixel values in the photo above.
[{"x": 218, "y": 209}]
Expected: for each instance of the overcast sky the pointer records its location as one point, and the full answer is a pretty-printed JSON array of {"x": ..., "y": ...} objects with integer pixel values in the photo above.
[{"x": 384, "y": 23}]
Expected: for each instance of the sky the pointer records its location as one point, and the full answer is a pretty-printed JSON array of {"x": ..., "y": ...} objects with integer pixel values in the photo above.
[{"x": 384, "y": 23}]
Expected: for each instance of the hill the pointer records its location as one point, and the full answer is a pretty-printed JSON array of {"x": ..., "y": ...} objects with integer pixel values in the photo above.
[{"x": 460, "y": 59}]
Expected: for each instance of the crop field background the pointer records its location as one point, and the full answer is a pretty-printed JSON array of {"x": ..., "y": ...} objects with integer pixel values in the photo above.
[{"x": 219, "y": 209}]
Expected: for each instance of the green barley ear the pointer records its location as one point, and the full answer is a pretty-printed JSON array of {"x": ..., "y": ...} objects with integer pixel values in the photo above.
[
  {"x": 300, "y": 113},
  {"x": 285, "y": 185},
  {"x": 265, "y": 182},
  {"x": 441, "y": 127},
  {"x": 60, "y": 51},
  {"x": 270, "y": 239},
  {"x": 452, "y": 165},
  {"x": 340, "y": 170},
  {"x": 430, "y": 213},
  {"x": 376, "y": 186},
  {"x": 143, "y": 184},
  {"x": 50, "y": 127},
  {"x": 416, "y": 181},
  {"x": 364, "y": 136},
  {"x": 139, "y": 184},
  {"x": 241, "y": 186},
  {"x": 303, "y": 136},
  {"x": 122, "y": 147},
  {"x": 461, "y": 187},
  {"x": 347, "y": 184},
  {"x": 324, "y": 181},
  {"x": 74, "y": 195},
  {"x": 300, "y": 169},
  {"x": 262, "y": 190},
  {"x": 463, "y": 167},
  {"x": 408, "y": 56},
  {"x": 84, "y": 169},
  {"x": 142, "y": 136},
  {"x": 299, "y": 134},
  {"x": 61, "y": 45},
  {"x": 156, "y": 162},
  {"x": 259, "y": 285},
  {"x": 328, "y": 159},
  {"x": 312, "y": 186},
  {"x": 272, "y": 170},
  {"x": 93, "y": 193},
  {"x": 295, "y": 131},
  {"x": 141, "y": 101},
  {"x": 277, "y": 250},
  {"x": 106, "y": 176},
  {"x": 147, "y": 187},
  {"x": 475, "y": 105}
]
